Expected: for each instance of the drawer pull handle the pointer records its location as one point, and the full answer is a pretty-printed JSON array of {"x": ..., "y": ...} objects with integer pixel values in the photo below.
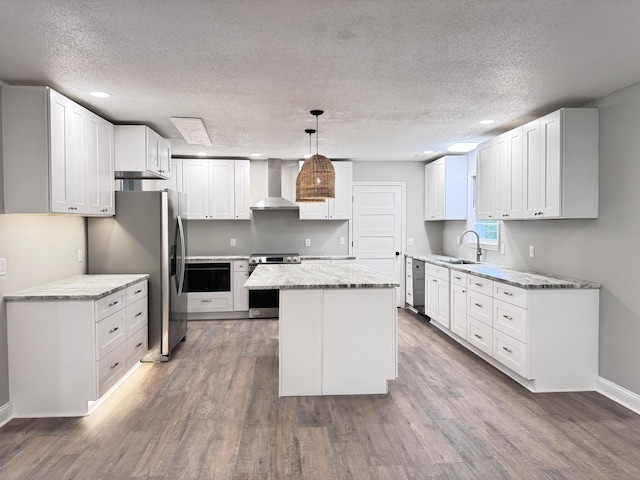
[
  {"x": 113, "y": 329},
  {"x": 138, "y": 314},
  {"x": 113, "y": 303},
  {"x": 477, "y": 336},
  {"x": 115, "y": 365},
  {"x": 139, "y": 345},
  {"x": 478, "y": 305},
  {"x": 206, "y": 301},
  {"x": 508, "y": 293},
  {"x": 507, "y": 349},
  {"x": 434, "y": 280},
  {"x": 137, "y": 292},
  {"x": 464, "y": 291},
  {"x": 457, "y": 278},
  {"x": 507, "y": 317}
]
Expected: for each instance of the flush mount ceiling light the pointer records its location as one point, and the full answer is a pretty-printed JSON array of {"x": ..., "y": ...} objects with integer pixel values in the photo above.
[
  {"x": 462, "y": 147},
  {"x": 316, "y": 180},
  {"x": 192, "y": 130},
  {"x": 100, "y": 94}
]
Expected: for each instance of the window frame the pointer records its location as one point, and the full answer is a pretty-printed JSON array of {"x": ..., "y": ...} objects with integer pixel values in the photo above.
[{"x": 470, "y": 240}]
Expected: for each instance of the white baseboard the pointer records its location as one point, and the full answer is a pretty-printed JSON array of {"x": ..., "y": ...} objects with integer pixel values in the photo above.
[
  {"x": 618, "y": 394},
  {"x": 6, "y": 413}
]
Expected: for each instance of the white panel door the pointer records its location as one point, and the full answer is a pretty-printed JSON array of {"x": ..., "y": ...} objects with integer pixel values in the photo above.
[{"x": 377, "y": 228}]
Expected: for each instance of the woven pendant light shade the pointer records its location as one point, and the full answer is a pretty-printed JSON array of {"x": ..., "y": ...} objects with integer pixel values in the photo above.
[{"x": 316, "y": 181}]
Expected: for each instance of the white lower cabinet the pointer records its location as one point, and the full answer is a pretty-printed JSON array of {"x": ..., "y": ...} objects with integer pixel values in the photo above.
[
  {"x": 408, "y": 281},
  {"x": 544, "y": 338},
  {"x": 77, "y": 350},
  {"x": 240, "y": 294},
  {"x": 458, "y": 303},
  {"x": 436, "y": 300}
]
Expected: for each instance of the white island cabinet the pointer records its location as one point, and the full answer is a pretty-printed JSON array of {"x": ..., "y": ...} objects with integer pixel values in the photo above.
[
  {"x": 71, "y": 341},
  {"x": 337, "y": 328}
]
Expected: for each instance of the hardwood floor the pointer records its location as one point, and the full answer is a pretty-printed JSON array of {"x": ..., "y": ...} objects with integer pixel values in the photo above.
[{"x": 213, "y": 412}]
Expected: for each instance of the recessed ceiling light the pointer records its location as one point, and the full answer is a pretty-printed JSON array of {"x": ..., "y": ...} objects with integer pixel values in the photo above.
[
  {"x": 428, "y": 152},
  {"x": 487, "y": 122},
  {"x": 192, "y": 130},
  {"x": 462, "y": 147},
  {"x": 202, "y": 154},
  {"x": 101, "y": 94},
  {"x": 256, "y": 154}
]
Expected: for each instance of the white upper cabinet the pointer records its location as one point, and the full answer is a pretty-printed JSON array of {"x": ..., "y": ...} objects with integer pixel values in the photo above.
[
  {"x": 217, "y": 189},
  {"x": 141, "y": 153},
  {"x": 508, "y": 175},
  {"x": 100, "y": 181},
  {"x": 338, "y": 208},
  {"x": 174, "y": 182},
  {"x": 485, "y": 180},
  {"x": 446, "y": 188},
  {"x": 58, "y": 156},
  {"x": 560, "y": 165}
]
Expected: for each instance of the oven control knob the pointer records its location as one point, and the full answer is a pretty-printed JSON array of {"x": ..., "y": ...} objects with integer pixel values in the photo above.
[
  {"x": 259, "y": 260},
  {"x": 289, "y": 259}
]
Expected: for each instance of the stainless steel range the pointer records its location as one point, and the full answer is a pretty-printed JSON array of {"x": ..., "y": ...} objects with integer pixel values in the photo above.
[{"x": 266, "y": 303}]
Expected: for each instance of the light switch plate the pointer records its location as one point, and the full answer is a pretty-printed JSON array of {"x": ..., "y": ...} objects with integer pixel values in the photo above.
[
  {"x": 233, "y": 242},
  {"x": 411, "y": 241},
  {"x": 502, "y": 248},
  {"x": 307, "y": 242},
  {"x": 80, "y": 255},
  {"x": 3, "y": 266},
  {"x": 532, "y": 251},
  {"x": 342, "y": 240}
]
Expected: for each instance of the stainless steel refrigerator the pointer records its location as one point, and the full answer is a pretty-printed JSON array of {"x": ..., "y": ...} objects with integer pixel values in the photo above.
[{"x": 147, "y": 235}]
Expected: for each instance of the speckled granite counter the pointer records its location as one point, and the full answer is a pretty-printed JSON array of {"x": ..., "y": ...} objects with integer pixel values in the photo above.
[
  {"x": 216, "y": 258},
  {"x": 79, "y": 287},
  {"x": 230, "y": 258},
  {"x": 349, "y": 275},
  {"x": 528, "y": 280}
]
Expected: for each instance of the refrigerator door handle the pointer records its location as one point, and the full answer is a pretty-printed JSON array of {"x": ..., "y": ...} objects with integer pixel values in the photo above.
[{"x": 183, "y": 258}]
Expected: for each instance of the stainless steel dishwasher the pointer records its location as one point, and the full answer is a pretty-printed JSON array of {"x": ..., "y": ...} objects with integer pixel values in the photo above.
[{"x": 418, "y": 285}]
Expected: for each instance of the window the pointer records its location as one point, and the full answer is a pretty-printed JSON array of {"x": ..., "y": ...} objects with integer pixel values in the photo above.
[{"x": 488, "y": 230}]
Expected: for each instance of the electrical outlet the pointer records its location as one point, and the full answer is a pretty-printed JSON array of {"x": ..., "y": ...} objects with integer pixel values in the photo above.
[
  {"x": 458, "y": 240},
  {"x": 307, "y": 242},
  {"x": 532, "y": 251},
  {"x": 233, "y": 242},
  {"x": 342, "y": 240},
  {"x": 3, "y": 266},
  {"x": 502, "y": 248},
  {"x": 411, "y": 241},
  {"x": 80, "y": 256}
]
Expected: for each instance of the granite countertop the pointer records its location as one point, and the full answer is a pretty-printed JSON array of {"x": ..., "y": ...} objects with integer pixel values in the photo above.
[
  {"x": 79, "y": 287},
  {"x": 229, "y": 258},
  {"x": 316, "y": 276},
  {"x": 216, "y": 258},
  {"x": 527, "y": 280}
]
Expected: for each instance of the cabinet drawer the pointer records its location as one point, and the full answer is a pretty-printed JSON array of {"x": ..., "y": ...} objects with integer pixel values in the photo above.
[
  {"x": 514, "y": 295},
  {"x": 110, "y": 332},
  {"x": 110, "y": 369},
  {"x": 511, "y": 353},
  {"x": 136, "y": 347},
  {"x": 480, "y": 307},
  {"x": 479, "y": 284},
  {"x": 458, "y": 278},
  {"x": 136, "y": 292},
  {"x": 409, "y": 298},
  {"x": 441, "y": 273},
  {"x": 137, "y": 314},
  {"x": 510, "y": 319},
  {"x": 110, "y": 304},
  {"x": 240, "y": 266},
  {"x": 209, "y": 302},
  {"x": 480, "y": 335}
]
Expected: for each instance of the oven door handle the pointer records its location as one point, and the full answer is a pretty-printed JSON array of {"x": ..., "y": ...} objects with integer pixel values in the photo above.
[{"x": 183, "y": 256}]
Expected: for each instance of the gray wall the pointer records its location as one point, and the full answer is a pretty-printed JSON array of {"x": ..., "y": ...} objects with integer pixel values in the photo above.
[{"x": 603, "y": 250}]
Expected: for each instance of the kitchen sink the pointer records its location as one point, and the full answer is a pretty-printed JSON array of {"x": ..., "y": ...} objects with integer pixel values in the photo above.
[{"x": 460, "y": 261}]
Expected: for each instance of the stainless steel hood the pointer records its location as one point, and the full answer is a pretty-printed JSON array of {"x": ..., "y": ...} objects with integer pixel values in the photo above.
[{"x": 274, "y": 200}]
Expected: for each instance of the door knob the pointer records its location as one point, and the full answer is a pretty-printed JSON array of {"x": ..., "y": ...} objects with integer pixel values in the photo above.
[{"x": 397, "y": 253}]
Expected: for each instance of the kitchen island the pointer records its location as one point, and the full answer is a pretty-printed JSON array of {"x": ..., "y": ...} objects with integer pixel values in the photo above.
[{"x": 337, "y": 328}]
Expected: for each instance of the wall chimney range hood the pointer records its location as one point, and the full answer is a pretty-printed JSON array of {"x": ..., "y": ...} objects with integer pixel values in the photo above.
[{"x": 274, "y": 199}]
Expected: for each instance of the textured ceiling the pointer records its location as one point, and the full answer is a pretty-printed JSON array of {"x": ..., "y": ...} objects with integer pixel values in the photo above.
[{"x": 395, "y": 77}]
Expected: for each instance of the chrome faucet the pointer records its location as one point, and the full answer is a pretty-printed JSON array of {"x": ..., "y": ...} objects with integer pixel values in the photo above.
[{"x": 478, "y": 249}]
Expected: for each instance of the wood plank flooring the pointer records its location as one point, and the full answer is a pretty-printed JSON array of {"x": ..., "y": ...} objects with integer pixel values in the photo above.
[{"x": 213, "y": 412}]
